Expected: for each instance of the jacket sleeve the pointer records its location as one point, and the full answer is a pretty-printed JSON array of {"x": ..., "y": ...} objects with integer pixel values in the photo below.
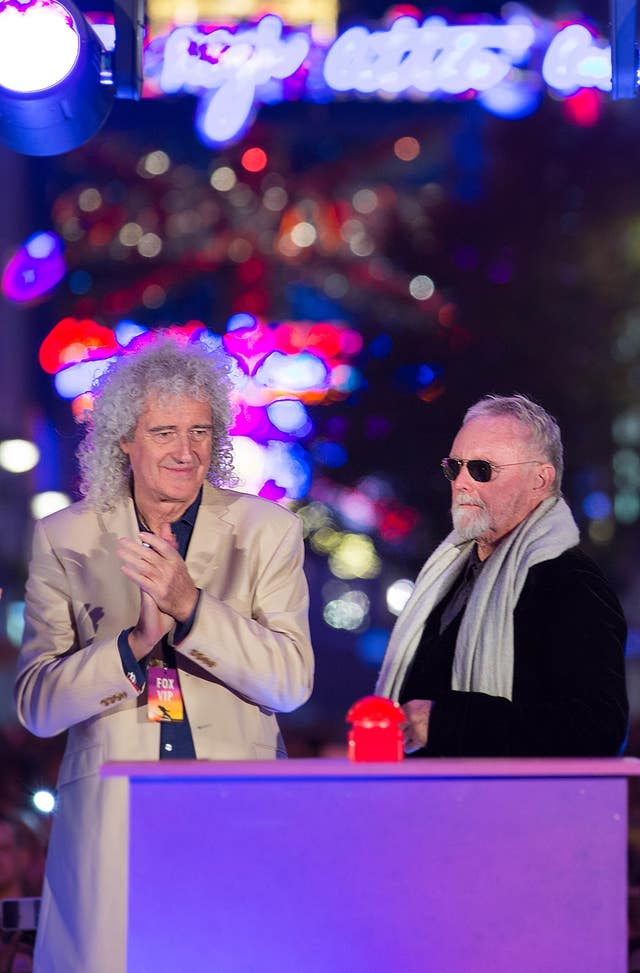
[
  {"x": 569, "y": 680},
  {"x": 265, "y": 654},
  {"x": 60, "y": 681}
]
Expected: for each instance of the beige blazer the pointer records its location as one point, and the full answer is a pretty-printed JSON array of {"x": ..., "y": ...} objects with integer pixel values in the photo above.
[{"x": 248, "y": 656}]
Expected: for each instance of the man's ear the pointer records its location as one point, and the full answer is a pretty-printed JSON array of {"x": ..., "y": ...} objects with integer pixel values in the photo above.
[
  {"x": 545, "y": 477},
  {"x": 125, "y": 445}
]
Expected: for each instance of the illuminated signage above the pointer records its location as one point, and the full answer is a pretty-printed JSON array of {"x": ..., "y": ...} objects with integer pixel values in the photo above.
[
  {"x": 232, "y": 66},
  {"x": 235, "y": 69},
  {"x": 575, "y": 60},
  {"x": 430, "y": 57}
]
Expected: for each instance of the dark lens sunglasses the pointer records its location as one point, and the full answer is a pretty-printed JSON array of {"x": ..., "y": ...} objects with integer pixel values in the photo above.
[{"x": 480, "y": 470}]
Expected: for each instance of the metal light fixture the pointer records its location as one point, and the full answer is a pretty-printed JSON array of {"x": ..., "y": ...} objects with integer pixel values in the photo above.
[{"x": 57, "y": 80}]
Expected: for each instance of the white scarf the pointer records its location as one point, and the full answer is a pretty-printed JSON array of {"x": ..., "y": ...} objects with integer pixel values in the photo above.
[{"x": 483, "y": 659}]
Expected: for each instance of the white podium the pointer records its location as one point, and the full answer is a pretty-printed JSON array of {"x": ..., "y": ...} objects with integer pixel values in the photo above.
[{"x": 324, "y": 866}]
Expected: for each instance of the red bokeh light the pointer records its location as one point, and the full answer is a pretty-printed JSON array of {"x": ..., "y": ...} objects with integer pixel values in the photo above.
[
  {"x": 583, "y": 108},
  {"x": 254, "y": 160}
]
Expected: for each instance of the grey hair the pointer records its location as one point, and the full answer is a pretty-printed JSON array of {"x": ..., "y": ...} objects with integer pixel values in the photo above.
[
  {"x": 167, "y": 367},
  {"x": 542, "y": 427}
]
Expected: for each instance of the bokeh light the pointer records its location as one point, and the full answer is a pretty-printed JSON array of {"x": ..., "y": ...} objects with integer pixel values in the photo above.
[
  {"x": 44, "y": 801},
  {"x": 254, "y": 159},
  {"x": 407, "y": 148},
  {"x": 354, "y": 557},
  {"x": 398, "y": 594},
  {"x": 48, "y": 502},
  {"x": 18, "y": 455}
]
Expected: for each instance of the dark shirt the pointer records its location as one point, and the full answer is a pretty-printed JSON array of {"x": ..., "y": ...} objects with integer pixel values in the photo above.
[{"x": 176, "y": 740}]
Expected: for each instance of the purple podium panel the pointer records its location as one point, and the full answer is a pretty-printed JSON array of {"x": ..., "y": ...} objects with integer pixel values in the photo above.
[{"x": 325, "y": 866}]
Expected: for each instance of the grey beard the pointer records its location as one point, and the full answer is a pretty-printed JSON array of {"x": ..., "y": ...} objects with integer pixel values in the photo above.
[{"x": 470, "y": 526}]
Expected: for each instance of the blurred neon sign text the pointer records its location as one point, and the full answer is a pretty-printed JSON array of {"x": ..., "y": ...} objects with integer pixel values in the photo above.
[
  {"x": 233, "y": 70},
  {"x": 430, "y": 57}
]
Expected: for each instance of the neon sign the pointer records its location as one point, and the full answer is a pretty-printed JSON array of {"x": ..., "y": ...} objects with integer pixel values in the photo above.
[
  {"x": 232, "y": 66},
  {"x": 430, "y": 57},
  {"x": 233, "y": 70},
  {"x": 574, "y": 60}
]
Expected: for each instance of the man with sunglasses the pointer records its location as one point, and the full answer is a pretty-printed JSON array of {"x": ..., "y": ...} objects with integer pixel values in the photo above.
[{"x": 512, "y": 643}]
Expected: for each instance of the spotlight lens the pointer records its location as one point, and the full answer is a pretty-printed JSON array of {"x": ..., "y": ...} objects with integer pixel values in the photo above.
[{"x": 39, "y": 45}]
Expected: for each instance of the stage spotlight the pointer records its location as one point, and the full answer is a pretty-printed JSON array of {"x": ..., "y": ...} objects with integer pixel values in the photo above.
[{"x": 56, "y": 82}]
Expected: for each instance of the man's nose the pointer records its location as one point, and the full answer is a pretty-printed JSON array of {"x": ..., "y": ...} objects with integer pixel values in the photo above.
[
  {"x": 183, "y": 447},
  {"x": 463, "y": 481}
]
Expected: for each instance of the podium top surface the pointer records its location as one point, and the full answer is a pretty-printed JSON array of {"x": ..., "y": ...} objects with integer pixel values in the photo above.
[{"x": 319, "y": 768}]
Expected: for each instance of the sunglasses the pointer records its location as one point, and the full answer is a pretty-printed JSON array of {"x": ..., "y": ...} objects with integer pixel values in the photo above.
[{"x": 480, "y": 470}]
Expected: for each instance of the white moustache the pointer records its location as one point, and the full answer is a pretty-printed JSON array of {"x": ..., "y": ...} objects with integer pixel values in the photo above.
[{"x": 464, "y": 499}]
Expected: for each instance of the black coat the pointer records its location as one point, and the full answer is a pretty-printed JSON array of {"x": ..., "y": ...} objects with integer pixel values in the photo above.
[{"x": 569, "y": 694}]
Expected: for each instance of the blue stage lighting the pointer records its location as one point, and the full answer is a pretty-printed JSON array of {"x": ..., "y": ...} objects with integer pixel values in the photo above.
[{"x": 57, "y": 80}]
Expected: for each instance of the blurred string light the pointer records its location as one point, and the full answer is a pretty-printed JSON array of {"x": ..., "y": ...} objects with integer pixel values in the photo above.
[
  {"x": 279, "y": 369},
  {"x": 179, "y": 232},
  {"x": 18, "y": 455}
]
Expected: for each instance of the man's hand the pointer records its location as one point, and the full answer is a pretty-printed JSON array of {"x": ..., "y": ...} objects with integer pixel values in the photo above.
[
  {"x": 416, "y": 729},
  {"x": 150, "y": 629},
  {"x": 157, "y": 568}
]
